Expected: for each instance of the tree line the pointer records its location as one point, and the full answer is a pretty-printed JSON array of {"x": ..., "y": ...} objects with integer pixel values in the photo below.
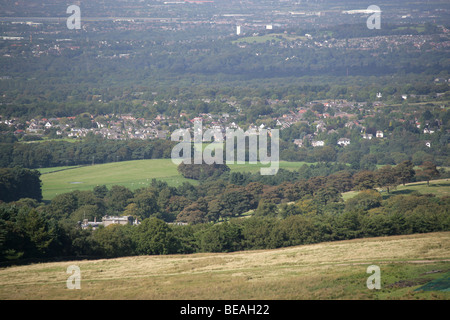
[
  {"x": 27, "y": 233},
  {"x": 93, "y": 150}
]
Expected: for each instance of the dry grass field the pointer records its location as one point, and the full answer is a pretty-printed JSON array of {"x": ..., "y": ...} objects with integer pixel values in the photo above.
[{"x": 334, "y": 270}]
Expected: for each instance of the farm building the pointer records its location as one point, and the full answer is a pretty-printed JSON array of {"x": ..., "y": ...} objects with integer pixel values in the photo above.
[{"x": 108, "y": 220}]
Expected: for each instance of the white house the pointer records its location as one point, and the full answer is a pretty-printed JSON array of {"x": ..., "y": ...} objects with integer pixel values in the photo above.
[
  {"x": 379, "y": 134},
  {"x": 343, "y": 142}
]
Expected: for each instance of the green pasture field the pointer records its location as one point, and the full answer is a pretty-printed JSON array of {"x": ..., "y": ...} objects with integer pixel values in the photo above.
[
  {"x": 131, "y": 174},
  {"x": 323, "y": 271}
]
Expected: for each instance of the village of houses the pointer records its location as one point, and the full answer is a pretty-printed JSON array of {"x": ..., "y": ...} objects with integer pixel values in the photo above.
[{"x": 127, "y": 126}]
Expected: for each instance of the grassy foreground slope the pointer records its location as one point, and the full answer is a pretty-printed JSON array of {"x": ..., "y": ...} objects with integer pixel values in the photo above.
[{"x": 336, "y": 270}]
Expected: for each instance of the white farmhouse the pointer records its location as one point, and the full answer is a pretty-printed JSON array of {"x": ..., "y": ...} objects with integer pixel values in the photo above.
[{"x": 318, "y": 143}]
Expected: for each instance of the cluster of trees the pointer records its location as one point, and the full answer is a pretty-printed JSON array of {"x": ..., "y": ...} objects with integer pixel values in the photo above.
[
  {"x": 202, "y": 171},
  {"x": 321, "y": 184},
  {"x": 289, "y": 185}
]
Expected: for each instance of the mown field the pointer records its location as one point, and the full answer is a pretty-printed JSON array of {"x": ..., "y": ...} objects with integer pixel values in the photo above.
[
  {"x": 131, "y": 174},
  {"x": 326, "y": 271}
]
